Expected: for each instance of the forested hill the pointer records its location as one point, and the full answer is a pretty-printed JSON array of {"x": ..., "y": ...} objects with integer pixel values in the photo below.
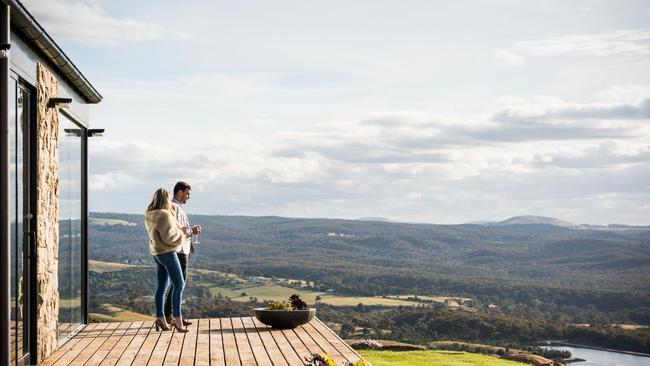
[{"x": 377, "y": 257}]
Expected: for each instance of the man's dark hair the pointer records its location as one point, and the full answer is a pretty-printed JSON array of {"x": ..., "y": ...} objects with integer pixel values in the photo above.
[{"x": 181, "y": 186}]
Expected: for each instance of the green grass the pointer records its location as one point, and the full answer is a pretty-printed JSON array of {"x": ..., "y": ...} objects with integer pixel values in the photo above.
[
  {"x": 430, "y": 298},
  {"x": 275, "y": 292},
  {"x": 365, "y": 300},
  {"x": 269, "y": 291},
  {"x": 433, "y": 358}
]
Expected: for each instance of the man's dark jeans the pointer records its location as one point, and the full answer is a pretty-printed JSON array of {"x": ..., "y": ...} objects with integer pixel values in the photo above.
[{"x": 168, "y": 300}]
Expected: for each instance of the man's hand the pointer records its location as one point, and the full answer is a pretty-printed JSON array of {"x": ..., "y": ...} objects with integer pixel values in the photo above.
[{"x": 196, "y": 229}]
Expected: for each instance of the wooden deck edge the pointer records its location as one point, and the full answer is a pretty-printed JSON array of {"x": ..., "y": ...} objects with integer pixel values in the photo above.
[{"x": 342, "y": 341}]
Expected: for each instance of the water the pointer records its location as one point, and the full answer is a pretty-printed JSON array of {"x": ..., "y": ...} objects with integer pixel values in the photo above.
[{"x": 596, "y": 357}]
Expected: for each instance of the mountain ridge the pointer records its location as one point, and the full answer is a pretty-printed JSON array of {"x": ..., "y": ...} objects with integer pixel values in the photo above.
[
  {"x": 514, "y": 220},
  {"x": 540, "y": 253},
  {"x": 535, "y": 220}
]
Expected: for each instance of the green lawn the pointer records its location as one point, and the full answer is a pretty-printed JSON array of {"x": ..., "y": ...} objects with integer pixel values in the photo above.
[
  {"x": 270, "y": 291},
  {"x": 433, "y": 358},
  {"x": 275, "y": 292}
]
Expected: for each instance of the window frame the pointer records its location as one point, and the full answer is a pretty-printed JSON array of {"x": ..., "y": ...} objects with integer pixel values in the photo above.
[{"x": 84, "y": 221}]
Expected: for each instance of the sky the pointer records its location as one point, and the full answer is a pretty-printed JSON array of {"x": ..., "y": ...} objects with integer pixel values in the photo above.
[{"x": 416, "y": 111}]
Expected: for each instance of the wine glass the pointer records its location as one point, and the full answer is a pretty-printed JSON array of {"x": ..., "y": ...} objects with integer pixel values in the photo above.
[{"x": 195, "y": 237}]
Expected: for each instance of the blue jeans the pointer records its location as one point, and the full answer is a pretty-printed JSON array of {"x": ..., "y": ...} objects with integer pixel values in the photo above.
[{"x": 169, "y": 267}]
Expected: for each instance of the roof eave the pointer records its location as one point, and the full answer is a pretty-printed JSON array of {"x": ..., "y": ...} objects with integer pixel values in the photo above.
[{"x": 32, "y": 31}]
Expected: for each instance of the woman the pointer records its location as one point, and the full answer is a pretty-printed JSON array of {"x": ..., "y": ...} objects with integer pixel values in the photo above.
[{"x": 165, "y": 238}]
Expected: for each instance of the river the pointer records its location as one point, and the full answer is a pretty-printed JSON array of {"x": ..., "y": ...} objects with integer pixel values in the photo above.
[{"x": 596, "y": 357}]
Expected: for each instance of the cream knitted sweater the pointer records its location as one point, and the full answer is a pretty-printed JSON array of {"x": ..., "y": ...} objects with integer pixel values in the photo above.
[{"x": 165, "y": 234}]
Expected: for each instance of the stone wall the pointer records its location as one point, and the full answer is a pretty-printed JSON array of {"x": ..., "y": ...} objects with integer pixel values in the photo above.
[{"x": 47, "y": 213}]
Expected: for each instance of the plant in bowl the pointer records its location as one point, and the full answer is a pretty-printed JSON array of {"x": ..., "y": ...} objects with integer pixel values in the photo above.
[{"x": 285, "y": 314}]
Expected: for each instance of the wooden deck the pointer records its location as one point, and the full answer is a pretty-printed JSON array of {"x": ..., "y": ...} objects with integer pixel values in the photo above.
[{"x": 221, "y": 341}]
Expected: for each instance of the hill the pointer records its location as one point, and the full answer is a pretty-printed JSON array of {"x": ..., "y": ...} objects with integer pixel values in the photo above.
[
  {"x": 512, "y": 283},
  {"x": 534, "y": 220},
  {"x": 538, "y": 254}
]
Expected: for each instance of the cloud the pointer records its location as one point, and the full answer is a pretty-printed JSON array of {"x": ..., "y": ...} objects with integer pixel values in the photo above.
[
  {"x": 599, "y": 111},
  {"x": 628, "y": 43},
  {"x": 553, "y": 119},
  {"x": 633, "y": 42},
  {"x": 87, "y": 22},
  {"x": 611, "y": 154},
  {"x": 631, "y": 94},
  {"x": 552, "y": 156},
  {"x": 508, "y": 57}
]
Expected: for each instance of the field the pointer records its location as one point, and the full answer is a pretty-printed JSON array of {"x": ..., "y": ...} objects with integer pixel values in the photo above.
[
  {"x": 101, "y": 267},
  {"x": 622, "y": 326},
  {"x": 267, "y": 289},
  {"x": 102, "y": 221},
  {"x": 276, "y": 292},
  {"x": 428, "y": 358},
  {"x": 70, "y": 303},
  {"x": 112, "y": 313}
]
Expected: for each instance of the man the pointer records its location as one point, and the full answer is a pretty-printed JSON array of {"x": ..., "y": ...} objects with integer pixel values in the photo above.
[{"x": 182, "y": 193}]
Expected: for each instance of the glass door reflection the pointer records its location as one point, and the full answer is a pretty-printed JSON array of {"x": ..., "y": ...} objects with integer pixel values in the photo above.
[
  {"x": 19, "y": 116},
  {"x": 70, "y": 233}
]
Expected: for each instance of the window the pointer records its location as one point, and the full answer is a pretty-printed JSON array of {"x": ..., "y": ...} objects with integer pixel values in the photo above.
[
  {"x": 19, "y": 188},
  {"x": 71, "y": 145}
]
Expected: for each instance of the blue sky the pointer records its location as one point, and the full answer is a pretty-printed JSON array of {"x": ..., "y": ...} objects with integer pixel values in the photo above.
[{"x": 418, "y": 111}]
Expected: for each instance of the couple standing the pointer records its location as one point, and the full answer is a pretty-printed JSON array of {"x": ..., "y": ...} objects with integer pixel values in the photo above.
[{"x": 170, "y": 243}]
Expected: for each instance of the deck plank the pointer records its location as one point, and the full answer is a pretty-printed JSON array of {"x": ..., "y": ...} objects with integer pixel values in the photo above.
[
  {"x": 120, "y": 346},
  {"x": 84, "y": 340},
  {"x": 299, "y": 347},
  {"x": 260, "y": 352},
  {"x": 304, "y": 337},
  {"x": 54, "y": 356},
  {"x": 104, "y": 330},
  {"x": 108, "y": 344},
  {"x": 279, "y": 349},
  {"x": 217, "y": 356},
  {"x": 334, "y": 339},
  {"x": 175, "y": 347},
  {"x": 243, "y": 346},
  {"x": 202, "y": 342},
  {"x": 128, "y": 356},
  {"x": 188, "y": 351},
  {"x": 329, "y": 349},
  {"x": 148, "y": 345},
  {"x": 229, "y": 343},
  {"x": 160, "y": 349}
]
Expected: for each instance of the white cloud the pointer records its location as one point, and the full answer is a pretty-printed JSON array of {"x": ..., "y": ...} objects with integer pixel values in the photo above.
[
  {"x": 86, "y": 21},
  {"x": 627, "y": 43},
  {"x": 508, "y": 57},
  {"x": 288, "y": 115},
  {"x": 631, "y": 94},
  {"x": 633, "y": 42}
]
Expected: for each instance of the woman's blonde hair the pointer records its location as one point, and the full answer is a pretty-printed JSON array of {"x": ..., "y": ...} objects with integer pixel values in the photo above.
[{"x": 161, "y": 200}]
